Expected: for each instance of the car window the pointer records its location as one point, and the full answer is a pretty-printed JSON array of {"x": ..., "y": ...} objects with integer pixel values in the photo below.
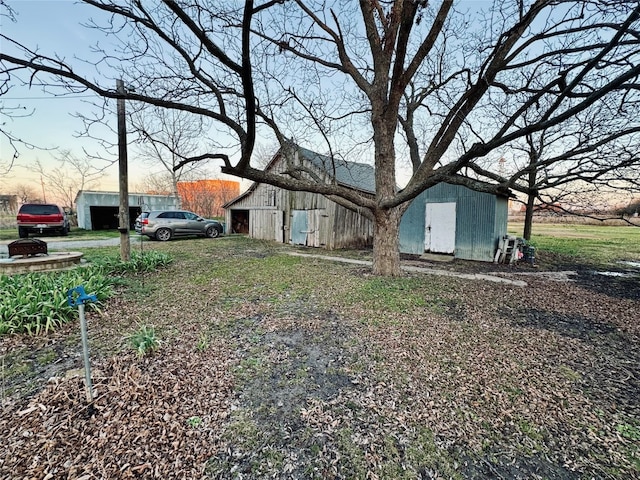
[
  {"x": 38, "y": 209},
  {"x": 167, "y": 215},
  {"x": 190, "y": 216}
]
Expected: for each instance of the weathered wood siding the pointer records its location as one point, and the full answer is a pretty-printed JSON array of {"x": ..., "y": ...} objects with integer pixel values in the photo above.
[
  {"x": 350, "y": 229},
  {"x": 266, "y": 224},
  {"x": 329, "y": 225}
]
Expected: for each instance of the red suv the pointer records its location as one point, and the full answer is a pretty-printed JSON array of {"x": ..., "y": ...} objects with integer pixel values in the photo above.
[{"x": 41, "y": 218}]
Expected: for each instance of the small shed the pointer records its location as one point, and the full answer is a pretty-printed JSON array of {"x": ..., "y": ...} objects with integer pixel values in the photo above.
[
  {"x": 304, "y": 218},
  {"x": 454, "y": 219},
  {"x": 99, "y": 210}
]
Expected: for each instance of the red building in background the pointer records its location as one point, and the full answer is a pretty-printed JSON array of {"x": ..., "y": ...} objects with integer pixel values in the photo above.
[{"x": 206, "y": 197}]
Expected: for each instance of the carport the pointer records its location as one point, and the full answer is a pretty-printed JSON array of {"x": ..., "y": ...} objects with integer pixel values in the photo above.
[
  {"x": 99, "y": 210},
  {"x": 106, "y": 218}
]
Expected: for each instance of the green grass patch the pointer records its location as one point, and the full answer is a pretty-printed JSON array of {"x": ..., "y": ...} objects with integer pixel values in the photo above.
[
  {"x": 395, "y": 294},
  {"x": 140, "y": 262},
  {"x": 592, "y": 243}
]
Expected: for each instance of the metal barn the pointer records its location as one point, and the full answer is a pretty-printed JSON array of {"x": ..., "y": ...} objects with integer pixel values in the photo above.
[
  {"x": 453, "y": 219},
  {"x": 99, "y": 210},
  {"x": 303, "y": 218}
]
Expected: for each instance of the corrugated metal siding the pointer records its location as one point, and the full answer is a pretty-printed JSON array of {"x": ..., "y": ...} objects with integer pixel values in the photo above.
[
  {"x": 502, "y": 218},
  {"x": 480, "y": 220},
  {"x": 412, "y": 227},
  {"x": 475, "y": 227}
]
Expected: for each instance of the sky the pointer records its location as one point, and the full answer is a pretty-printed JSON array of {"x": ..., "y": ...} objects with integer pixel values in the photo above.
[{"x": 55, "y": 26}]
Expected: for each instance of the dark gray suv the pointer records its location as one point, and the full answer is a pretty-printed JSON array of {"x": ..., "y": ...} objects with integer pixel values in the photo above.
[{"x": 163, "y": 225}]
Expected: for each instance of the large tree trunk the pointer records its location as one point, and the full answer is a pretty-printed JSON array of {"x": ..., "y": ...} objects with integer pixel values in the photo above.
[
  {"x": 528, "y": 217},
  {"x": 531, "y": 198},
  {"x": 386, "y": 253}
]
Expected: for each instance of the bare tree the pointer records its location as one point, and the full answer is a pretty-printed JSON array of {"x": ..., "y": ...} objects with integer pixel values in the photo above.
[
  {"x": 567, "y": 167},
  {"x": 27, "y": 194},
  {"x": 10, "y": 111},
  {"x": 263, "y": 153},
  {"x": 166, "y": 137},
  {"x": 71, "y": 175},
  {"x": 155, "y": 184},
  {"x": 385, "y": 80},
  {"x": 560, "y": 173}
]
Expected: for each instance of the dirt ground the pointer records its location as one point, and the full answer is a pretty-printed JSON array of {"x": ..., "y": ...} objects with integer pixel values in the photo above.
[{"x": 496, "y": 381}]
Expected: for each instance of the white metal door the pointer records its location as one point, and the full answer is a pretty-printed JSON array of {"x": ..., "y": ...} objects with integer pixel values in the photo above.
[{"x": 440, "y": 228}]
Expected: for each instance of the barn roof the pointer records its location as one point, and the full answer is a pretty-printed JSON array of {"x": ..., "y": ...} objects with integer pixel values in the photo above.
[{"x": 351, "y": 174}]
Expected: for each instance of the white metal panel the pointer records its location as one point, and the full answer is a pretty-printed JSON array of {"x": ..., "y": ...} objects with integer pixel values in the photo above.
[{"x": 440, "y": 228}]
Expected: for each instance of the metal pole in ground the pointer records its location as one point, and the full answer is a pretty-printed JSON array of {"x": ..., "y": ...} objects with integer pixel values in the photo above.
[
  {"x": 85, "y": 351},
  {"x": 77, "y": 296}
]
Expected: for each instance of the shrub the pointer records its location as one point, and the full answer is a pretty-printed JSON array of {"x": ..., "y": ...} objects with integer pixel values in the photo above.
[
  {"x": 144, "y": 340},
  {"x": 37, "y": 302}
]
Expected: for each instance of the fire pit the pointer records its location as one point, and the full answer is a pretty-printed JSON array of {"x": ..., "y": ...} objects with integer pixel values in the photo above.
[{"x": 27, "y": 247}]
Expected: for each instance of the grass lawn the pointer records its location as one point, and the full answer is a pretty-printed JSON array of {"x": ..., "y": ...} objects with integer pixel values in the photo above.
[
  {"x": 596, "y": 244},
  {"x": 268, "y": 365}
]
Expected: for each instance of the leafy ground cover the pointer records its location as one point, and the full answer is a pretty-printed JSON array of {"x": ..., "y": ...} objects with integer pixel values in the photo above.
[{"x": 276, "y": 366}]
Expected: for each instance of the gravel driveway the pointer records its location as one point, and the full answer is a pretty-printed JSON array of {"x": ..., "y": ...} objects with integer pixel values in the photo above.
[{"x": 58, "y": 243}]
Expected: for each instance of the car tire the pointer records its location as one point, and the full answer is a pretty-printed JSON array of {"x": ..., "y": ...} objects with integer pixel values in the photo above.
[
  {"x": 163, "y": 234},
  {"x": 212, "y": 232},
  {"x": 23, "y": 232}
]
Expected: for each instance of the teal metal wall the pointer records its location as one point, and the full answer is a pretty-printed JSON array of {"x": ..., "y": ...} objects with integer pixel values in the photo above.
[{"x": 481, "y": 219}]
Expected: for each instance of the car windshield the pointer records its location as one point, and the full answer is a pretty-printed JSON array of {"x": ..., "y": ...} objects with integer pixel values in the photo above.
[{"x": 35, "y": 209}]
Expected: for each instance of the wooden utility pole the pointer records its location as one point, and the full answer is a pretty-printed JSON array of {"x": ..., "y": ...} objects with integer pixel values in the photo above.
[{"x": 123, "y": 176}]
